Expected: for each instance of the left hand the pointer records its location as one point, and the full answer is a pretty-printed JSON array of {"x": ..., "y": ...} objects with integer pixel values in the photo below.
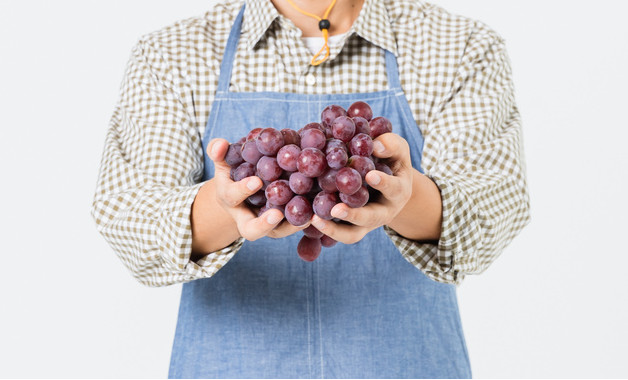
[{"x": 396, "y": 191}]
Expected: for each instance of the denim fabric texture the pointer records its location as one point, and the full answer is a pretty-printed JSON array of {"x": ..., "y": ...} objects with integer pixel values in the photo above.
[{"x": 358, "y": 311}]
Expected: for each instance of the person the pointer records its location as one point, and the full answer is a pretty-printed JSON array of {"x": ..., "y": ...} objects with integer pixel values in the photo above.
[{"x": 382, "y": 302}]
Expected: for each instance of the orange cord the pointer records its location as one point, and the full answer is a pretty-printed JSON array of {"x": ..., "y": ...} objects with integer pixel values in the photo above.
[{"x": 316, "y": 62}]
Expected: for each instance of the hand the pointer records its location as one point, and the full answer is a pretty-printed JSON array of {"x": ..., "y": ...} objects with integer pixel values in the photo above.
[
  {"x": 396, "y": 192},
  {"x": 231, "y": 195}
]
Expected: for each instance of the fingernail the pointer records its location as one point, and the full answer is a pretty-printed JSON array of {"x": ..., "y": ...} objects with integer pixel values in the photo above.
[
  {"x": 273, "y": 218},
  {"x": 251, "y": 184},
  {"x": 375, "y": 179},
  {"x": 213, "y": 150},
  {"x": 378, "y": 147},
  {"x": 339, "y": 213}
]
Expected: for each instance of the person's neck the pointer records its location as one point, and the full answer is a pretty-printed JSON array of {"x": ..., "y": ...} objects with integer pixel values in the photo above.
[{"x": 342, "y": 16}]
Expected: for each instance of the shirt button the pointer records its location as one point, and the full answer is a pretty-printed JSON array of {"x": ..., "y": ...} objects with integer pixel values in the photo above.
[{"x": 310, "y": 79}]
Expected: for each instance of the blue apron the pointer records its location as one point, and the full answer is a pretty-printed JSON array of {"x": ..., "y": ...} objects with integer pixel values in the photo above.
[{"x": 358, "y": 311}]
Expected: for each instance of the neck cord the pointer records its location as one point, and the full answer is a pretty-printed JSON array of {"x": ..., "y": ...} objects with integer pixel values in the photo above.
[{"x": 323, "y": 25}]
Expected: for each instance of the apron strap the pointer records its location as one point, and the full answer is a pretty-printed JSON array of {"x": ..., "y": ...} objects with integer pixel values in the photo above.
[
  {"x": 392, "y": 71},
  {"x": 227, "y": 60}
]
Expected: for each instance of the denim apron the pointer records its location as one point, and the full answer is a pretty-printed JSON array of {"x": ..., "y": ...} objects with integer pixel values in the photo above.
[{"x": 358, "y": 311}]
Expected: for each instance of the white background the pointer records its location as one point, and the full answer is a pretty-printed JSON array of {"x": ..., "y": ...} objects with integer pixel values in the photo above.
[{"x": 553, "y": 305}]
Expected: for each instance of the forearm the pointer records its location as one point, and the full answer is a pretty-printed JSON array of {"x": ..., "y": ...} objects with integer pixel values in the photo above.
[
  {"x": 212, "y": 226},
  {"x": 421, "y": 217}
]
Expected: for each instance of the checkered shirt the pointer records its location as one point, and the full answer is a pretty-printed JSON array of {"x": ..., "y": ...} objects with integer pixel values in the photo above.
[{"x": 457, "y": 79}]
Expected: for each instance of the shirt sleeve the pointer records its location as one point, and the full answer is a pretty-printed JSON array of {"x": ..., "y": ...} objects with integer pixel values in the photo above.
[
  {"x": 149, "y": 176},
  {"x": 474, "y": 154}
]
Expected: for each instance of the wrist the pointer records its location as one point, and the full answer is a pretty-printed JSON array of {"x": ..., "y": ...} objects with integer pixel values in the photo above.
[{"x": 421, "y": 217}]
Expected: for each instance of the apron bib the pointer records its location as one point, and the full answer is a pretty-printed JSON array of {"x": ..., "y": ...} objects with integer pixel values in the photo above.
[{"x": 358, "y": 311}]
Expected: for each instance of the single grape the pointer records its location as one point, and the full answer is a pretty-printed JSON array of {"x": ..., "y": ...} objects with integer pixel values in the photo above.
[
  {"x": 348, "y": 180},
  {"x": 298, "y": 211},
  {"x": 287, "y": 157},
  {"x": 300, "y": 184},
  {"x": 383, "y": 168},
  {"x": 252, "y": 136},
  {"x": 309, "y": 249},
  {"x": 323, "y": 203},
  {"x": 330, "y": 113},
  {"x": 311, "y": 162},
  {"x": 290, "y": 136},
  {"x": 250, "y": 153},
  {"x": 233, "y": 157},
  {"x": 335, "y": 143},
  {"x": 246, "y": 169},
  {"x": 360, "y": 109},
  {"x": 379, "y": 126},
  {"x": 327, "y": 180},
  {"x": 329, "y": 133},
  {"x": 278, "y": 192},
  {"x": 357, "y": 199},
  {"x": 313, "y": 138},
  {"x": 241, "y": 141},
  {"x": 269, "y": 141},
  {"x": 312, "y": 232},
  {"x": 268, "y": 169},
  {"x": 318, "y": 126},
  {"x": 361, "y": 125},
  {"x": 343, "y": 128},
  {"x": 328, "y": 242},
  {"x": 361, "y": 145},
  {"x": 258, "y": 199},
  {"x": 337, "y": 158},
  {"x": 361, "y": 164}
]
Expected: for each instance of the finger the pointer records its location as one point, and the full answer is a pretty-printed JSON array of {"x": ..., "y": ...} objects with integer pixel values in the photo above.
[
  {"x": 393, "y": 146},
  {"x": 252, "y": 228},
  {"x": 370, "y": 216},
  {"x": 391, "y": 187},
  {"x": 286, "y": 229},
  {"x": 232, "y": 193},
  {"x": 216, "y": 150},
  {"x": 343, "y": 233}
]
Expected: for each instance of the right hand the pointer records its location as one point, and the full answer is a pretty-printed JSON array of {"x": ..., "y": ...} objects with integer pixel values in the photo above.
[{"x": 231, "y": 196}]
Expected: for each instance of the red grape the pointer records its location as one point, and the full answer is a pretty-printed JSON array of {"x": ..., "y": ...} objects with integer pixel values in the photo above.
[
  {"x": 313, "y": 138},
  {"x": 343, "y": 128},
  {"x": 233, "y": 157},
  {"x": 348, "y": 180},
  {"x": 311, "y": 162},
  {"x": 290, "y": 136},
  {"x": 258, "y": 199},
  {"x": 245, "y": 169},
  {"x": 298, "y": 211},
  {"x": 287, "y": 157},
  {"x": 335, "y": 143},
  {"x": 360, "y": 109},
  {"x": 250, "y": 153},
  {"x": 337, "y": 158},
  {"x": 309, "y": 249},
  {"x": 300, "y": 184},
  {"x": 327, "y": 180},
  {"x": 326, "y": 241},
  {"x": 252, "y": 136},
  {"x": 268, "y": 169},
  {"x": 361, "y": 125},
  {"x": 379, "y": 126},
  {"x": 323, "y": 203},
  {"x": 361, "y": 164},
  {"x": 269, "y": 141},
  {"x": 357, "y": 199},
  {"x": 312, "y": 232},
  {"x": 361, "y": 145},
  {"x": 383, "y": 168},
  {"x": 330, "y": 113},
  {"x": 278, "y": 192}
]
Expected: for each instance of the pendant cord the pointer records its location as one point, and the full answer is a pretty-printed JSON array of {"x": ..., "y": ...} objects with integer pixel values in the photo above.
[{"x": 323, "y": 25}]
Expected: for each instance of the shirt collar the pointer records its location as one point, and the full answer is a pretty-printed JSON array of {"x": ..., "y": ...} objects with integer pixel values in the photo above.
[{"x": 373, "y": 23}]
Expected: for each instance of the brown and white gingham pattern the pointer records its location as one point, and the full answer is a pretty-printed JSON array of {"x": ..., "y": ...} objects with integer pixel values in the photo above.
[{"x": 457, "y": 79}]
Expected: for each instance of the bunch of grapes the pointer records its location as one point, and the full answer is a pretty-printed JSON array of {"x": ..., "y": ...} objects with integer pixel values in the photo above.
[{"x": 309, "y": 171}]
